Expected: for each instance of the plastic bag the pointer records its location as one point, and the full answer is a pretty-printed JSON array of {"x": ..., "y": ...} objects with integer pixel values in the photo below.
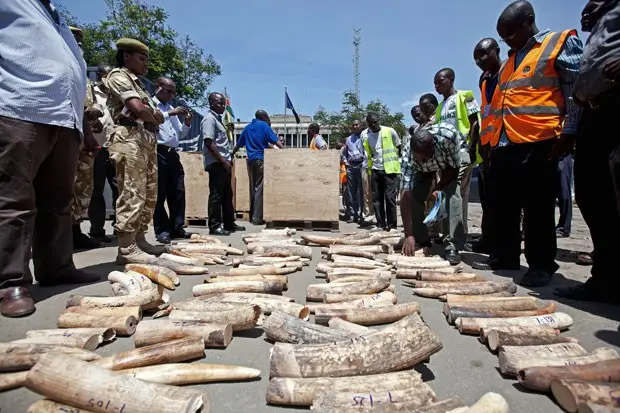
[{"x": 438, "y": 212}]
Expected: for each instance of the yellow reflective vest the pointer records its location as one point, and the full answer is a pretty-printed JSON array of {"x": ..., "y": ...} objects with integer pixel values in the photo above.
[
  {"x": 462, "y": 120},
  {"x": 391, "y": 161}
]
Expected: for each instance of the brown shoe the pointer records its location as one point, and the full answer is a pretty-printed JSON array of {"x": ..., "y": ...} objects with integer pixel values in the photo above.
[
  {"x": 16, "y": 302},
  {"x": 70, "y": 277}
]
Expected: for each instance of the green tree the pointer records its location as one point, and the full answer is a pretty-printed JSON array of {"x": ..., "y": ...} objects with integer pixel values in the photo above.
[
  {"x": 351, "y": 110},
  {"x": 171, "y": 55}
]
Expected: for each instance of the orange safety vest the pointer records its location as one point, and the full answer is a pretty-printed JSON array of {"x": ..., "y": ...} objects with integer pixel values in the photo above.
[
  {"x": 343, "y": 174},
  {"x": 531, "y": 105},
  {"x": 489, "y": 122}
]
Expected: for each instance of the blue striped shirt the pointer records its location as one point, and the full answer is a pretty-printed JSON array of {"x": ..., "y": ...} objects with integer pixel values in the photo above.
[
  {"x": 567, "y": 65},
  {"x": 42, "y": 72}
]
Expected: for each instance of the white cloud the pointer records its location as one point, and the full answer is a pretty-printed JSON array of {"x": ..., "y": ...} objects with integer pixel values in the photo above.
[{"x": 413, "y": 101}]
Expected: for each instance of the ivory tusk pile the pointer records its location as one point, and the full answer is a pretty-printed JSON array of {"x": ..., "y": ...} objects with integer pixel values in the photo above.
[
  {"x": 284, "y": 328},
  {"x": 497, "y": 339},
  {"x": 161, "y": 330},
  {"x": 461, "y": 312},
  {"x": 343, "y": 325},
  {"x": 86, "y": 338},
  {"x": 316, "y": 292},
  {"x": 368, "y": 316},
  {"x": 272, "y": 287},
  {"x": 560, "y": 321},
  {"x": 243, "y": 317},
  {"x": 142, "y": 299},
  {"x": 470, "y": 289},
  {"x": 382, "y": 299}
]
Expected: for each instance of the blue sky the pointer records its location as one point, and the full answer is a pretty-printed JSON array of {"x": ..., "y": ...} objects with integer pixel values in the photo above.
[{"x": 307, "y": 45}]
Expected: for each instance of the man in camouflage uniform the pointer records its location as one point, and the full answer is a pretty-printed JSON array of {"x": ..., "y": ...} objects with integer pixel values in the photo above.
[
  {"x": 132, "y": 147},
  {"x": 83, "y": 185}
]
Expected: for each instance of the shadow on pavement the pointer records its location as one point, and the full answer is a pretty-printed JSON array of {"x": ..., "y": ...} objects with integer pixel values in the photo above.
[
  {"x": 609, "y": 336},
  {"x": 43, "y": 293}
]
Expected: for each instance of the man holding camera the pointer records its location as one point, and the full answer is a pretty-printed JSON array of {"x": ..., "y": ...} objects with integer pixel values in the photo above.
[{"x": 170, "y": 174}]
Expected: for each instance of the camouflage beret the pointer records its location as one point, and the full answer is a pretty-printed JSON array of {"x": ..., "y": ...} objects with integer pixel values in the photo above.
[
  {"x": 132, "y": 45},
  {"x": 76, "y": 30}
]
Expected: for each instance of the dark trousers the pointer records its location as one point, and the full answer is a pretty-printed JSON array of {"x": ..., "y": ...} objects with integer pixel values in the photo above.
[
  {"x": 523, "y": 177},
  {"x": 483, "y": 182},
  {"x": 256, "y": 173},
  {"x": 37, "y": 171},
  {"x": 355, "y": 192},
  {"x": 221, "y": 210},
  {"x": 170, "y": 190},
  {"x": 597, "y": 192},
  {"x": 384, "y": 189},
  {"x": 564, "y": 193},
  {"x": 103, "y": 171}
]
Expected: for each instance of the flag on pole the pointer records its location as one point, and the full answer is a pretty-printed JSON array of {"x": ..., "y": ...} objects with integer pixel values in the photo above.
[
  {"x": 229, "y": 118},
  {"x": 289, "y": 105}
]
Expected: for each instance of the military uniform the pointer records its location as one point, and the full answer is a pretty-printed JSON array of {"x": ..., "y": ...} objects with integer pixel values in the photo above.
[{"x": 132, "y": 146}]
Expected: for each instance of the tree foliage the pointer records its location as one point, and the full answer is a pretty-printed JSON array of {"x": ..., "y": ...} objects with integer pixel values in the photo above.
[
  {"x": 171, "y": 55},
  {"x": 352, "y": 110}
]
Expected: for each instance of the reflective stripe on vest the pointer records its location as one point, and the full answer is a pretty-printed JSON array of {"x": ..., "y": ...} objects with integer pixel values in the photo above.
[
  {"x": 488, "y": 127},
  {"x": 391, "y": 161},
  {"x": 531, "y": 106}
]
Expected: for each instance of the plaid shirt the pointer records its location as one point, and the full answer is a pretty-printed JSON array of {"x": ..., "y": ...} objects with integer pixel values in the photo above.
[{"x": 446, "y": 154}]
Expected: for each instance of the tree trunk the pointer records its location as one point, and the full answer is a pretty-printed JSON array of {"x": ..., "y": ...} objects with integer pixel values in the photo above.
[
  {"x": 461, "y": 312},
  {"x": 402, "y": 345},
  {"x": 244, "y": 317},
  {"x": 159, "y": 331},
  {"x": 470, "y": 289},
  {"x": 560, "y": 321},
  {"x": 110, "y": 311},
  {"x": 272, "y": 287},
  {"x": 85, "y": 386},
  {"x": 540, "y": 378},
  {"x": 196, "y": 373},
  {"x": 403, "y": 400},
  {"x": 142, "y": 299},
  {"x": 173, "y": 351},
  {"x": 490, "y": 403},
  {"x": 367, "y": 316},
  {"x": 511, "y": 364},
  {"x": 499, "y": 339},
  {"x": 284, "y": 328},
  {"x": 86, "y": 338},
  {"x": 316, "y": 292},
  {"x": 302, "y": 391},
  {"x": 123, "y": 326},
  {"x": 571, "y": 393}
]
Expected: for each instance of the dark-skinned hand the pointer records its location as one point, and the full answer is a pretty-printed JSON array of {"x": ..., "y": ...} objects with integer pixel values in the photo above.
[
  {"x": 159, "y": 117},
  {"x": 409, "y": 246}
]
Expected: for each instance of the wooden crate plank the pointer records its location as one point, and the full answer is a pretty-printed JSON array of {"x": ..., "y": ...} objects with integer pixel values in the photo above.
[
  {"x": 242, "y": 183},
  {"x": 301, "y": 185},
  {"x": 196, "y": 185}
]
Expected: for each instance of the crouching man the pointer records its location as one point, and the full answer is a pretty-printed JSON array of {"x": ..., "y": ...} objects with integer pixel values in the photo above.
[{"x": 434, "y": 149}]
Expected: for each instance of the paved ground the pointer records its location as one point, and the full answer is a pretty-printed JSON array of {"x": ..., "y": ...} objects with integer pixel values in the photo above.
[{"x": 464, "y": 367}]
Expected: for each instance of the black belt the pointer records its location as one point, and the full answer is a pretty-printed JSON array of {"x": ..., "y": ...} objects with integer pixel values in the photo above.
[
  {"x": 165, "y": 148},
  {"x": 151, "y": 127}
]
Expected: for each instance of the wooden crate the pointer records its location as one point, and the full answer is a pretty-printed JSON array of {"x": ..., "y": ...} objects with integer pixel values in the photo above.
[
  {"x": 301, "y": 185},
  {"x": 242, "y": 185},
  {"x": 196, "y": 185}
]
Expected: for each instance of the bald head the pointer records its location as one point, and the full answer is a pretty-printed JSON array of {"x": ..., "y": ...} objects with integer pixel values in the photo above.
[
  {"x": 517, "y": 24},
  {"x": 262, "y": 115},
  {"x": 372, "y": 120},
  {"x": 486, "y": 55}
]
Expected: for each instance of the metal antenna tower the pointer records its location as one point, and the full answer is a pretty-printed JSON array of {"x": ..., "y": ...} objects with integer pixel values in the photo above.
[{"x": 357, "y": 40}]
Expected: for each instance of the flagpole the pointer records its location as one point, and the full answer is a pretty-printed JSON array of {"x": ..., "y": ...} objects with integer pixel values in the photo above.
[{"x": 285, "y": 127}]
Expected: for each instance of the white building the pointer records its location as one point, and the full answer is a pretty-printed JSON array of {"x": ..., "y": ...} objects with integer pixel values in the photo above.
[{"x": 294, "y": 135}]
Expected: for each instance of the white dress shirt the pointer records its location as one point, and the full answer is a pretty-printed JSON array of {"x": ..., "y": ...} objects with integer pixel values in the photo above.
[
  {"x": 172, "y": 130},
  {"x": 42, "y": 72}
]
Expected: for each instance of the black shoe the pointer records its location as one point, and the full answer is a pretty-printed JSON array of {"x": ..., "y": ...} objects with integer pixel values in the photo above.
[
  {"x": 219, "y": 231},
  {"x": 181, "y": 234},
  {"x": 164, "y": 239},
  {"x": 535, "y": 278},
  {"x": 235, "y": 228},
  {"x": 103, "y": 238},
  {"x": 84, "y": 242},
  {"x": 453, "y": 257},
  {"x": 494, "y": 265},
  {"x": 585, "y": 293},
  {"x": 258, "y": 222}
]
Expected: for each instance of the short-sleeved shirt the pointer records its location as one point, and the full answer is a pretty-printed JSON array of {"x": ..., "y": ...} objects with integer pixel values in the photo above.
[
  {"x": 448, "y": 113},
  {"x": 376, "y": 148},
  {"x": 319, "y": 142},
  {"x": 213, "y": 128},
  {"x": 255, "y": 137},
  {"x": 42, "y": 71},
  {"x": 446, "y": 154},
  {"x": 122, "y": 84},
  {"x": 353, "y": 151}
]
